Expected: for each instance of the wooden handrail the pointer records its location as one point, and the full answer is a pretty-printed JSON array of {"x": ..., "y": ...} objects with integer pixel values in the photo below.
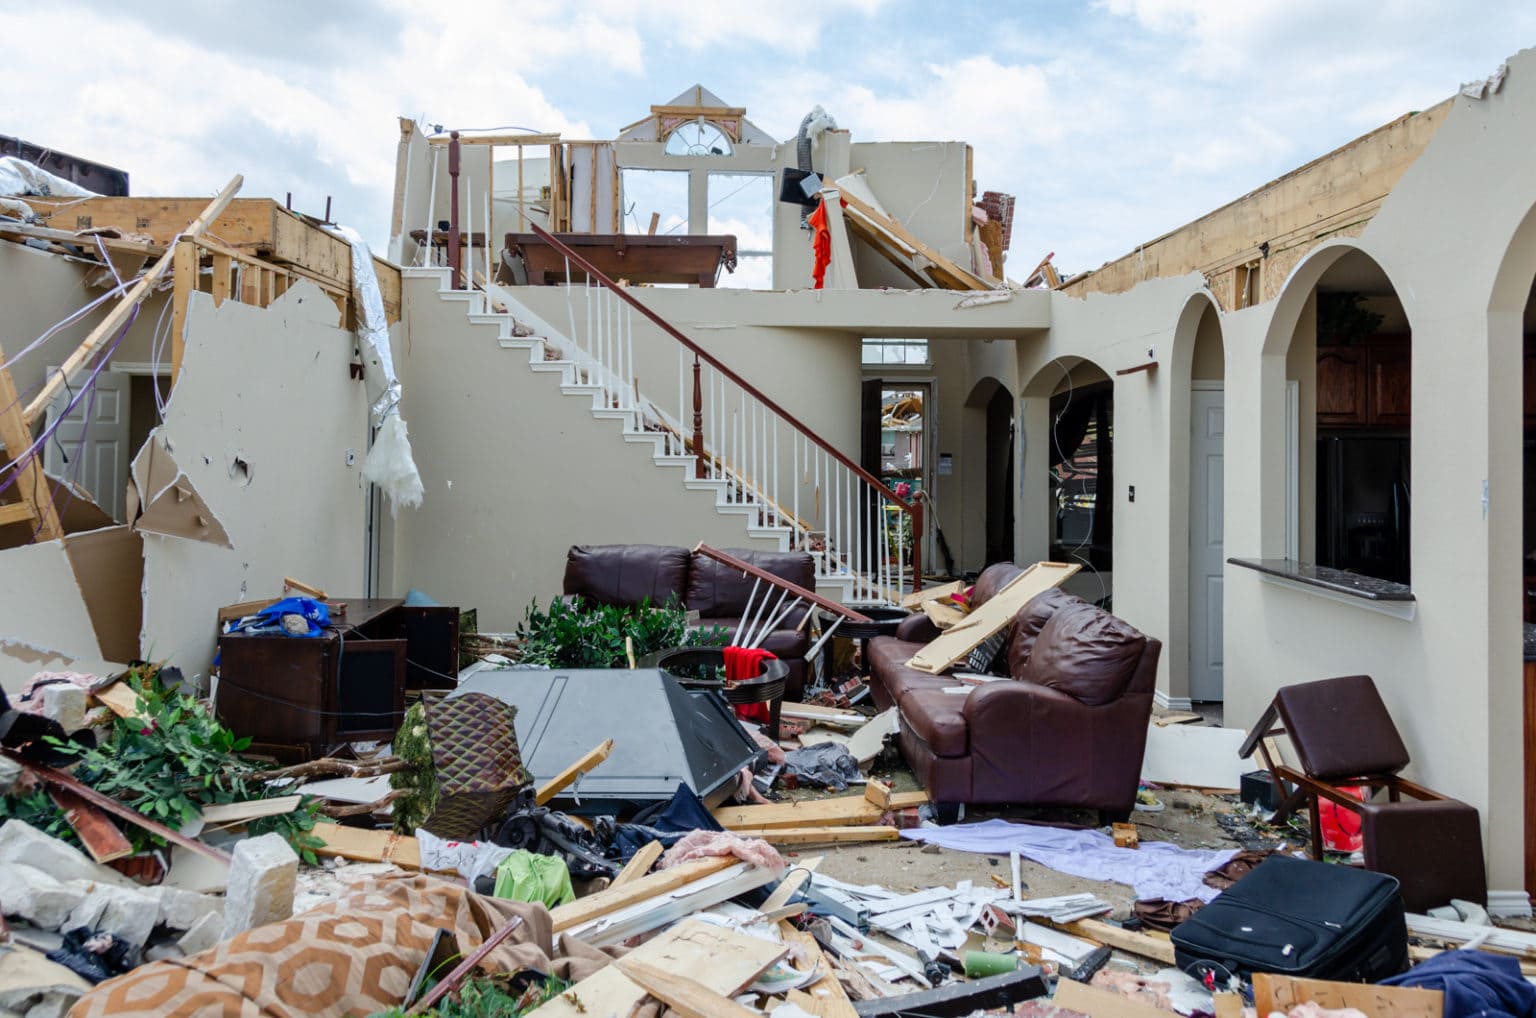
[
  {"x": 726, "y": 558},
  {"x": 596, "y": 274}
]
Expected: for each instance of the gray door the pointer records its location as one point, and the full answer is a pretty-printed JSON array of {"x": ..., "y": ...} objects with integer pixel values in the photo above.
[
  {"x": 1205, "y": 558},
  {"x": 94, "y": 453}
]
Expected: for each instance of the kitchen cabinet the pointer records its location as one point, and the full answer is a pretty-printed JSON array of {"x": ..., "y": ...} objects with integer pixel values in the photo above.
[
  {"x": 1341, "y": 388},
  {"x": 1368, "y": 384}
]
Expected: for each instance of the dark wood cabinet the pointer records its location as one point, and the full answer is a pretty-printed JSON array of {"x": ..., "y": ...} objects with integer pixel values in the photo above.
[
  {"x": 298, "y": 698},
  {"x": 1341, "y": 388},
  {"x": 1368, "y": 384},
  {"x": 1389, "y": 400},
  {"x": 1530, "y": 385}
]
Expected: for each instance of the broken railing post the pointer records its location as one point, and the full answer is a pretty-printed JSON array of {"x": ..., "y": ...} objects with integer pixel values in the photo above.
[
  {"x": 917, "y": 546},
  {"x": 698, "y": 422},
  {"x": 454, "y": 255}
]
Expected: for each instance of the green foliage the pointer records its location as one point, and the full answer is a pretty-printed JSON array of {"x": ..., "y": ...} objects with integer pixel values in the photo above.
[
  {"x": 489, "y": 997},
  {"x": 174, "y": 758},
  {"x": 35, "y": 809},
  {"x": 575, "y": 634},
  {"x": 419, "y": 779}
]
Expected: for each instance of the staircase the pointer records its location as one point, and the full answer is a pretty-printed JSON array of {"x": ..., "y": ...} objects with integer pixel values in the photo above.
[{"x": 719, "y": 434}]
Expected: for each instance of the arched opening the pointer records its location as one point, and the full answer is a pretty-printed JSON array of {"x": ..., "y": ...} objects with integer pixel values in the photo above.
[
  {"x": 1070, "y": 421},
  {"x": 989, "y": 417},
  {"x": 1348, "y": 399}
]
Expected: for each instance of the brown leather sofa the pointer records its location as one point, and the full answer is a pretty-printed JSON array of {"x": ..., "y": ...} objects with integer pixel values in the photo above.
[
  {"x": 1068, "y": 727},
  {"x": 626, "y": 574}
]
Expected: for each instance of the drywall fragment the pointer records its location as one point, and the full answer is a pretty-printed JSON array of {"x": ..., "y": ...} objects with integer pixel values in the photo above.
[
  {"x": 161, "y": 498},
  {"x": 205, "y": 933},
  {"x": 21, "y": 843},
  {"x": 261, "y": 884},
  {"x": 41, "y": 603},
  {"x": 36, "y": 897},
  {"x": 109, "y": 567},
  {"x": 121, "y": 911},
  {"x": 65, "y": 703}
]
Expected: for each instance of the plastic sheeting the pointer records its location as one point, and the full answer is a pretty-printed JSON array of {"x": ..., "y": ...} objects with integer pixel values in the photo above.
[
  {"x": 390, "y": 464},
  {"x": 19, "y": 177}
]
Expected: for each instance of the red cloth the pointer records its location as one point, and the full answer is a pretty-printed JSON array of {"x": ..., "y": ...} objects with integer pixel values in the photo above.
[
  {"x": 1341, "y": 827},
  {"x": 821, "y": 243},
  {"x": 747, "y": 663}
]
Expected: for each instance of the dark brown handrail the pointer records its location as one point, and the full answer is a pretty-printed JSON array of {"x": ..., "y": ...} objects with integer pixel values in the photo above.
[
  {"x": 788, "y": 586},
  {"x": 915, "y": 511}
]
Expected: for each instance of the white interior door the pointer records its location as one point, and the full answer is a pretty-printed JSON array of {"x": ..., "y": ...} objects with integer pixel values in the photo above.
[
  {"x": 1205, "y": 558},
  {"x": 94, "y": 453}
]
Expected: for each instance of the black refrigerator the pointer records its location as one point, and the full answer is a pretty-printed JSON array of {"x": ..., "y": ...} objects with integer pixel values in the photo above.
[{"x": 1364, "y": 505}]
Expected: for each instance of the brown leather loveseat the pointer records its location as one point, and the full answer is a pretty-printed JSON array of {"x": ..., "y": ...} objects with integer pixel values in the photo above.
[
  {"x": 1067, "y": 727},
  {"x": 627, "y": 574}
]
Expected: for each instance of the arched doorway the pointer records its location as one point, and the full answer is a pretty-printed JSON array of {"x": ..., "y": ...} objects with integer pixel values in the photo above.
[
  {"x": 1069, "y": 428},
  {"x": 989, "y": 417},
  {"x": 1200, "y": 470}
]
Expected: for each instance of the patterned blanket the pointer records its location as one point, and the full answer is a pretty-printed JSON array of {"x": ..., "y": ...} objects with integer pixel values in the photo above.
[{"x": 351, "y": 956}]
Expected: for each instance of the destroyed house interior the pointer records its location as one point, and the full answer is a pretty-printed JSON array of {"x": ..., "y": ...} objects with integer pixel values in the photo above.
[{"x": 693, "y": 573}]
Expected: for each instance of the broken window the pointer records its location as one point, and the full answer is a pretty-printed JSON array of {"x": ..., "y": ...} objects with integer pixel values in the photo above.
[
  {"x": 741, "y": 204},
  {"x": 662, "y": 194}
]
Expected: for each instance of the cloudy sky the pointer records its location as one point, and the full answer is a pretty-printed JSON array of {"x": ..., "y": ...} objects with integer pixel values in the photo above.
[{"x": 1112, "y": 120}]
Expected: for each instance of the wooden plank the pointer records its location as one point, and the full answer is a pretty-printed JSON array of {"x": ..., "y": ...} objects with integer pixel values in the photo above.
[
  {"x": 792, "y": 882},
  {"x": 946, "y": 271},
  {"x": 913, "y": 600},
  {"x": 639, "y": 864},
  {"x": 1228, "y": 1005},
  {"x": 961, "y": 638},
  {"x": 308, "y": 590},
  {"x": 1097, "y": 1003},
  {"x": 361, "y": 845},
  {"x": 120, "y": 699},
  {"x": 30, "y": 485},
  {"x": 1281, "y": 993},
  {"x": 819, "y": 835},
  {"x": 100, "y": 836},
  {"x": 557, "y": 784},
  {"x": 184, "y": 272},
  {"x": 1123, "y": 940},
  {"x": 835, "y": 716},
  {"x": 683, "y": 995},
  {"x": 254, "y": 809},
  {"x": 824, "y": 998},
  {"x": 842, "y": 811},
  {"x": 611, "y": 899},
  {"x": 17, "y": 512},
  {"x": 22, "y": 231},
  {"x": 499, "y": 138}
]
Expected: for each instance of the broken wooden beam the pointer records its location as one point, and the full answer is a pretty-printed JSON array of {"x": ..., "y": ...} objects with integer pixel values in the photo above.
[
  {"x": 361, "y": 845},
  {"x": 100, "y": 836},
  {"x": 1140, "y": 944},
  {"x": 588, "y": 760},
  {"x": 681, "y": 994},
  {"x": 613, "y": 898},
  {"x": 639, "y": 864},
  {"x": 841, "y": 811},
  {"x": 819, "y": 835}
]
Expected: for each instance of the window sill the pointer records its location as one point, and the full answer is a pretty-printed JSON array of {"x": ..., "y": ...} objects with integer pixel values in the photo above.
[{"x": 1383, "y": 596}]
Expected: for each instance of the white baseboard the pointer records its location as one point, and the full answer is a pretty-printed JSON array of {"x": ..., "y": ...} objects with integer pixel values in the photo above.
[
  {"x": 1167, "y": 702},
  {"x": 1509, "y": 904}
]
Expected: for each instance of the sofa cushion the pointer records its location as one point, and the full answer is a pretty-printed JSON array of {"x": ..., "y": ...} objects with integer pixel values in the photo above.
[
  {"x": 715, "y": 589},
  {"x": 888, "y": 659},
  {"x": 626, "y": 574},
  {"x": 992, "y": 579},
  {"x": 1027, "y": 624},
  {"x": 1086, "y": 653},
  {"x": 938, "y": 719}
]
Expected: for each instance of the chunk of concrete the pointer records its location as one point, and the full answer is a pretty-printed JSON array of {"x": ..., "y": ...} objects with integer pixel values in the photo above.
[
  {"x": 33, "y": 895},
  {"x": 123, "y": 912},
  {"x": 22, "y": 843},
  {"x": 34, "y": 986},
  {"x": 205, "y": 933},
  {"x": 261, "y": 884},
  {"x": 181, "y": 910},
  {"x": 65, "y": 703}
]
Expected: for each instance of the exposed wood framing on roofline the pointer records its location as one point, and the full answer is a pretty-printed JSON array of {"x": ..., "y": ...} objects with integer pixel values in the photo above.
[
  {"x": 1277, "y": 224},
  {"x": 496, "y": 139}
]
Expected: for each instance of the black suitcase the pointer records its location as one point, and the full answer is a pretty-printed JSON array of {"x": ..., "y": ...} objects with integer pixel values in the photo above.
[{"x": 1296, "y": 917}]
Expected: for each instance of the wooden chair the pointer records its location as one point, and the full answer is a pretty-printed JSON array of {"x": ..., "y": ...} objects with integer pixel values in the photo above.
[{"x": 1343, "y": 736}]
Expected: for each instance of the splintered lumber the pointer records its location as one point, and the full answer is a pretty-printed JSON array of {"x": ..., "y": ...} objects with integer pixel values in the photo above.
[
  {"x": 120, "y": 699},
  {"x": 1450, "y": 931},
  {"x": 721, "y": 960},
  {"x": 960, "y": 639},
  {"x": 362, "y": 845},
  {"x": 683, "y": 995},
  {"x": 557, "y": 784},
  {"x": 792, "y": 882},
  {"x": 100, "y": 836},
  {"x": 639, "y": 864},
  {"x": 879, "y": 793},
  {"x": 1281, "y": 993},
  {"x": 255, "y": 809},
  {"x": 954, "y": 999},
  {"x": 117, "y": 317},
  {"x": 824, "y": 998},
  {"x": 1097, "y": 1003},
  {"x": 655, "y": 912},
  {"x": 1125, "y": 940},
  {"x": 842, "y": 811},
  {"x": 819, "y": 835},
  {"x": 915, "y": 599},
  {"x": 615, "y": 897},
  {"x": 834, "y": 717}
]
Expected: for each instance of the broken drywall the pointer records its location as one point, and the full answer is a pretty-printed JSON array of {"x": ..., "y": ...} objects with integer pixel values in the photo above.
[
  {"x": 272, "y": 388},
  {"x": 41, "y": 606},
  {"x": 109, "y": 569}
]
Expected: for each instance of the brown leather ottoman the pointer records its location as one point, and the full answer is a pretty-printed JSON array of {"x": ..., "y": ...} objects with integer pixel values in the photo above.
[{"x": 1434, "y": 848}]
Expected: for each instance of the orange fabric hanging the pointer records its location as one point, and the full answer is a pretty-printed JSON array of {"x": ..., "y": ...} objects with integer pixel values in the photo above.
[{"x": 821, "y": 243}]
